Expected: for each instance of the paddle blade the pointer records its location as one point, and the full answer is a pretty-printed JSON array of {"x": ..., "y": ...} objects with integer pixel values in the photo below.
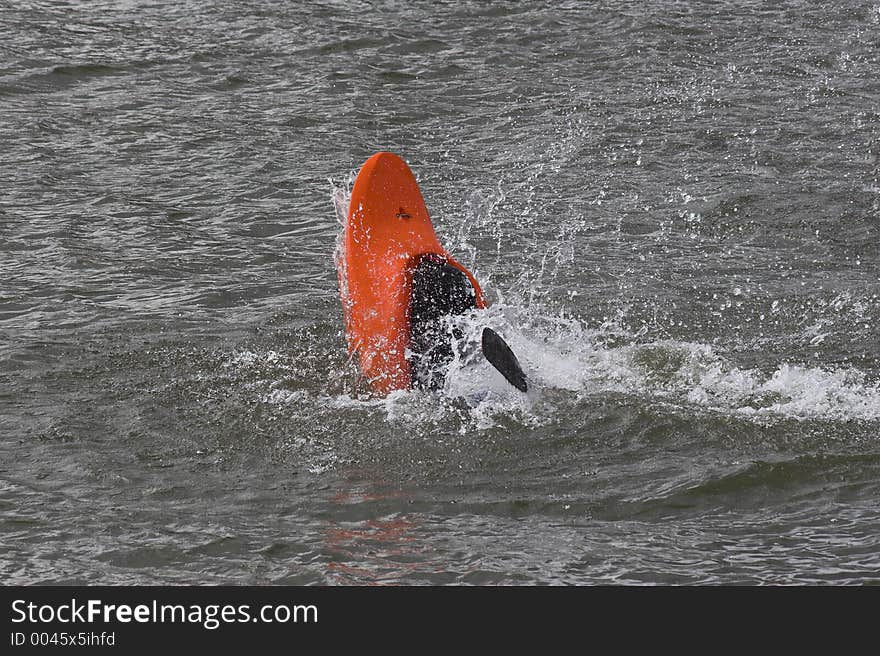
[{"x": 500, "y": 356}]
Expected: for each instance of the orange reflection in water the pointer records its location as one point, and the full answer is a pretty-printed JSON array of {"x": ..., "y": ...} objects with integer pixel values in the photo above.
[{"x": 380, "y": 550}]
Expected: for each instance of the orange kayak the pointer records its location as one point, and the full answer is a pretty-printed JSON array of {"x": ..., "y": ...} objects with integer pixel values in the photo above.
[{"x": 387, "y": 233}]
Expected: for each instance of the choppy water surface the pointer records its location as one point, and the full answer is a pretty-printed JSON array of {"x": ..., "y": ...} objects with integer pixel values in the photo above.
[{"x": 674, "y": 207}]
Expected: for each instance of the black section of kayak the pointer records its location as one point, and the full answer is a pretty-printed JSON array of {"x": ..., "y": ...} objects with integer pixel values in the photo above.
[{"x": 439, "y": 290}]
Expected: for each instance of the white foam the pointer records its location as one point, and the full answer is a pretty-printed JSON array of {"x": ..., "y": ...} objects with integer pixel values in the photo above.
[{"x": 563, "y": 355}]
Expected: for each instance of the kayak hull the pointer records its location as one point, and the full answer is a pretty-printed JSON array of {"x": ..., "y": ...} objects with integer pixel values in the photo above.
[{"x": 388, "y": 230}]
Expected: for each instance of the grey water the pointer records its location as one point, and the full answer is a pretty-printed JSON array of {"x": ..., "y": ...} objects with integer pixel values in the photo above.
[{"x": 674, "y": 208}]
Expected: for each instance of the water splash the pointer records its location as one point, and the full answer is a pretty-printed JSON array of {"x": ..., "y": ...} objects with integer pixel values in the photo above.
[{"x": 563, "y": 354}]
